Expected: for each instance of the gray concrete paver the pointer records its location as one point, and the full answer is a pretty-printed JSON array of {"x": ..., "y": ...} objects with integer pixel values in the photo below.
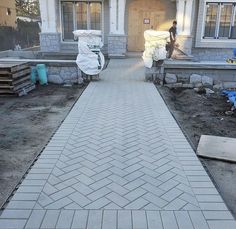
[{"x": 118, "y": 161}]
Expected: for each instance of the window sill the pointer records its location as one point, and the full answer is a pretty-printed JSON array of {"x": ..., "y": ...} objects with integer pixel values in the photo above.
[
  {"x": 216, "y": 43},
  {"x": 69, "y": 41}
]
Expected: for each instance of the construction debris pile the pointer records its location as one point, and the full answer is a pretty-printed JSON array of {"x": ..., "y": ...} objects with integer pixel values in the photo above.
[{"x": 15, "y": 78}]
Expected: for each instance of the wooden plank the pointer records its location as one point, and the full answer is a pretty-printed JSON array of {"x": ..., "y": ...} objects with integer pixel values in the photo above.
[
  {"x": 3, "y": 83},
  {"x": 220, "y": 148},
  {"x": 11, "y": 64},
  {"x": 14, "y": 82},
  {"x": 26, "y": 90},
  {"x": 11, "y": 67},
  {"x": 7, "y": 95},
  {"x": 19, "y": 67},
  {"x": 5, "y": 72},
  {"x": 6, "y": 91},
  {"x": 15, "y": 76},
  {"x": 26, "y": 81},
  {"x": 22, "y": 79},
  {"x": 2, "y": 86},
  {"x": 145, "y": 15},
  {"x": 8, "y": 72},
  {"x": 21, "y": 73},
  {"x": 22, "y": 85},
  {"x": 20, "y": 92},
  {"x": 5, "y": 79}
]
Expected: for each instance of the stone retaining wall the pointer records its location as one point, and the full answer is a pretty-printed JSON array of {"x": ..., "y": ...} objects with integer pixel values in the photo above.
[
  {"x": 59, "y": 73},
  {"x": 220, "y": 78},
  {"x": 212, "y": 54},
  {"x": 67, "y": 73},
  {"x": 62, "y": 74},
  {"x": 117, "y": 45},
  {"x": 194, "y": 80},
  {"x": 50, "y": 42}
]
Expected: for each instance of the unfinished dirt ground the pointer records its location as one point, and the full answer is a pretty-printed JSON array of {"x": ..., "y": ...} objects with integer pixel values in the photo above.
[
  {"x": 27, "y": 123},
  {"x": 199, "y": 114}
]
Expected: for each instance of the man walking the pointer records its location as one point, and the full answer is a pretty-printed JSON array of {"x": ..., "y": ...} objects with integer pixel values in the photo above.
[{"x": 173, "y": 33}]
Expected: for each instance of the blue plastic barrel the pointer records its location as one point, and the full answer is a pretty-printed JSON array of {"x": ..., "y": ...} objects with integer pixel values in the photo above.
[
  {"x": 42, "y": 73},
  {"x": 33, "y": 75}
]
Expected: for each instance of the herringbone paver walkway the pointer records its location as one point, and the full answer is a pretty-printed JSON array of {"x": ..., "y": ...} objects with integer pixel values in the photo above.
[{"x": 118, "y": 161}]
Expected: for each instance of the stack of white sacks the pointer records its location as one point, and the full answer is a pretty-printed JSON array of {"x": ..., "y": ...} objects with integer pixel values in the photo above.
[
  {"x": 90, "y": 59},
  {"x": 155, "y": 46}
]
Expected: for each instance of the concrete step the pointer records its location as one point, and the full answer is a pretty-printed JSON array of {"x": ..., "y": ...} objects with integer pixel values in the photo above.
[{"x": 183, "y": 57}]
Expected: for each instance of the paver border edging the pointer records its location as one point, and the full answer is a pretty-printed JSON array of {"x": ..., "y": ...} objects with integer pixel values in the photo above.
[
  {"x": 194, "y": 149},
  {"x": 7, "y": 200}
]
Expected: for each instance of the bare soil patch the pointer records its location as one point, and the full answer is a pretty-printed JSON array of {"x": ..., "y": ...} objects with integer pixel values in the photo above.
[
  {"x": 199, "y": 114},
  {"x": 27, "y": 123}
]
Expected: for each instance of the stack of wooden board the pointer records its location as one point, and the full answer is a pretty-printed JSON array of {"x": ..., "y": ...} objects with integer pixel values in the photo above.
[{"x": 15, "y": 78}]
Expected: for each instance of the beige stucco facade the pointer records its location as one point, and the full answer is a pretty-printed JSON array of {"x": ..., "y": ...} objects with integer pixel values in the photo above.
[{"x": 7, "y": 13}]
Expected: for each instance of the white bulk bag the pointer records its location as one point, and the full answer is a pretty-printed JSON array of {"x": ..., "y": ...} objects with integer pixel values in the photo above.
[
  {"x": 155, "y": 46},
  {"x": 92, "y": 37},
  {"x": 89, "y": 42},
  {"x": 88, "y": 61}
]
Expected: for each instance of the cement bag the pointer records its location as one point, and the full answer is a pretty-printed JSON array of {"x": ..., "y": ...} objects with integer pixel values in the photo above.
[{"x": 89, "y": 62}]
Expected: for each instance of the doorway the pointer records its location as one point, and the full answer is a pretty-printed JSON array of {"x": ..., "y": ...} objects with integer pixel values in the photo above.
[{"x": 144, "y": 15}]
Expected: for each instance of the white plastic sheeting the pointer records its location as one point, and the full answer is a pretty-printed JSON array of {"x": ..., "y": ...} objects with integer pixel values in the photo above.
[
  {"x": 155, "y": 46},
  {"x": 89, "y": 62},
  {"x": 91, "y": 37},
  {"x": 90, "y": 59}
]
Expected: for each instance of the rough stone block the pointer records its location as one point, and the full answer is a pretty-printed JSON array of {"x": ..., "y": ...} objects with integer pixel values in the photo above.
[
  {"x": 188, "y": 85},
  {"x": 117, "y": 45},
  {"x": 183, "y": 78},
  {"x": 207, "y": 81},
  {"x": 198, "y": 85},
  {"x": 160, "y": 76},
  {"x": 195, "y": 78},
  {"x": 54, "y": 70},
  {"x": 55, "y": 79},
  {"x": 170, "y": 78},
  {"x": 227, "y": 85},
  {"x": 218, "y": 86},
  {"x": 174, "y": 85}
]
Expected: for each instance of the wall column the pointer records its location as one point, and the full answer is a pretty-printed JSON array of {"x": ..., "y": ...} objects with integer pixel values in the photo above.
[
  {"x": 184, "y": 17},
  {"x": 117, "y": 40},
  {"x": 49, "y": 36}
]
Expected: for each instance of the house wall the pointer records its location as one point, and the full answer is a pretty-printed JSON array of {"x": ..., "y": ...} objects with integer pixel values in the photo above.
[
  {"x": 73, "y": 46},
  {"x": 8, "y": 20},
  {"x": 116, "y": 43},
  {"x": 170, "y": 13},
  {"x": 207, "y": 51}
]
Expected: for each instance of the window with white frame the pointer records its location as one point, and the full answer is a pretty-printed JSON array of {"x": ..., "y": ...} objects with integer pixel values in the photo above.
[
  {"x": 220, "y": 20},
  {"x": 80, "y": 15}
]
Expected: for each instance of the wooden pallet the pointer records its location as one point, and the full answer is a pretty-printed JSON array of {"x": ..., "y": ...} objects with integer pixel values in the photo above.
[
  {"x": 15, "y": 78},
  {"x": 12, "y": 67}
]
